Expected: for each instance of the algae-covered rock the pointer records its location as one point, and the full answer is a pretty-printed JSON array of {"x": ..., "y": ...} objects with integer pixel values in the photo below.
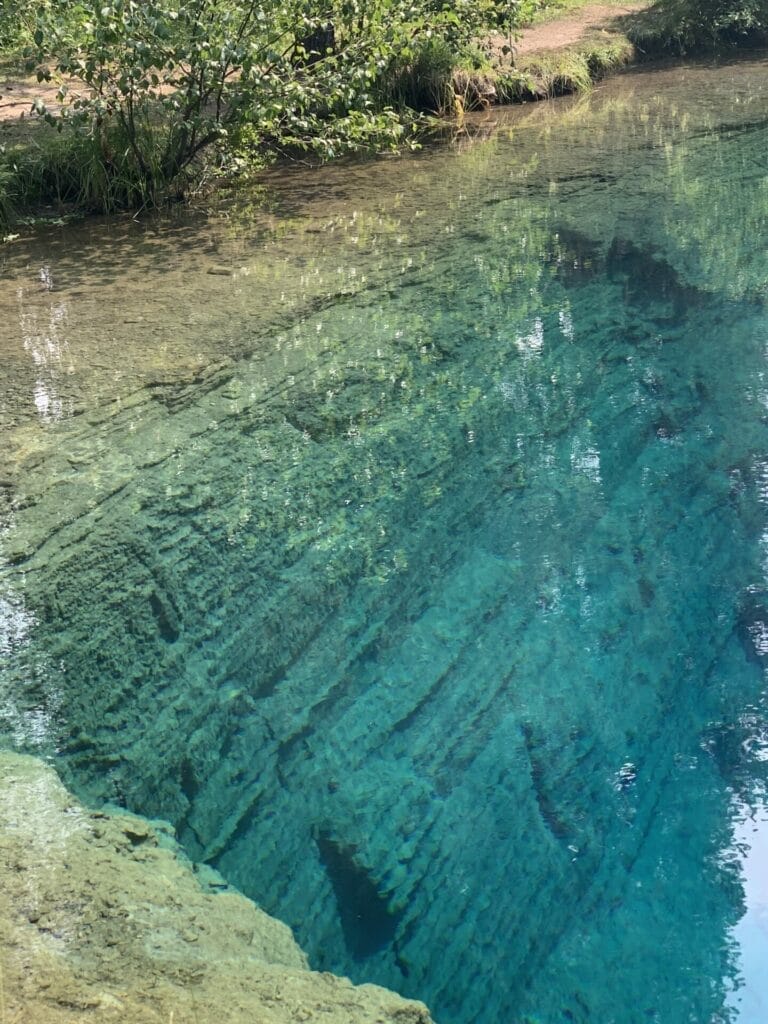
[{"x": 101, "y": 922}]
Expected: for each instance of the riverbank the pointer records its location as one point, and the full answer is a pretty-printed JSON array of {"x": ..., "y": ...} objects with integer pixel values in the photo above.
[
  {"x": 567, "y": 51},
  {"x": 49, "y": 174},
  {"x": 580, "y": 29}
]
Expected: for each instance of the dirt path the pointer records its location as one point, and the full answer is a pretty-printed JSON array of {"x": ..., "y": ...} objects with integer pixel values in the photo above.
[
  {"x": 18, "y": 94},
  {"x": 574, "y": 26}
]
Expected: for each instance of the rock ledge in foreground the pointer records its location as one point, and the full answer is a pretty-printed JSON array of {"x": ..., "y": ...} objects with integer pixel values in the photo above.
[{"x": 101, "y": 923}]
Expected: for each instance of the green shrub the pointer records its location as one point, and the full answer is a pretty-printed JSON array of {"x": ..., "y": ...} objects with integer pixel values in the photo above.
[{"x": 689, "y": 25}]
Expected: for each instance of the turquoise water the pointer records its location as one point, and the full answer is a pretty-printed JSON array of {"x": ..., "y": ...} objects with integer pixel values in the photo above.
[{"x": 403, "y": 541}]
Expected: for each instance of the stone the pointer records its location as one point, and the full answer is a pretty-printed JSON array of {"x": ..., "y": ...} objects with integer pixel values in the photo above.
[{"x": 165, "y": 949}]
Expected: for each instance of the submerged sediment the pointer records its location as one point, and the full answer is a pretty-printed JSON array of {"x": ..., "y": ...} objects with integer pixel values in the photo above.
[{"x": 104, "y": 920}]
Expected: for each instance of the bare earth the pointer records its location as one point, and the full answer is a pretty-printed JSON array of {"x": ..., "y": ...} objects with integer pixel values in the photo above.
[
  {"x": 574, "y": 27},
  {"x": 18, "y": 94}
]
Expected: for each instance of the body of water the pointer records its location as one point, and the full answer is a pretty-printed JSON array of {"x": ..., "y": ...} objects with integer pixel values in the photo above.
[{"x": 401, "y": 537}]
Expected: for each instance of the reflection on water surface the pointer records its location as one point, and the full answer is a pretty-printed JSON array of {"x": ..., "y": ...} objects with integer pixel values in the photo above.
[{"x": 402, "y": 541}]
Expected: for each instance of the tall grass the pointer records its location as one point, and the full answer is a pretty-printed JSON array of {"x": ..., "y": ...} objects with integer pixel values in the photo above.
[
  {"x": 423, "y": 83},
  {"x": 560, "y": 72},
  {"x": 72, "y": 170}
]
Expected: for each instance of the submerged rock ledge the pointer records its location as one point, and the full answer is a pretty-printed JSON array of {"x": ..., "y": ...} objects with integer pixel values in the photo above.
[{"x": 103, "y": 920}]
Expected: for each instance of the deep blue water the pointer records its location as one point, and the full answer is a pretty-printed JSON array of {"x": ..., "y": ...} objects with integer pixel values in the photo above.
[{"x": 417, "y": 571}]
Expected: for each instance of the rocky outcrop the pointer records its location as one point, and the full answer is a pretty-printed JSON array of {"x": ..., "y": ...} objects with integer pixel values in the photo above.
[{"x": 103, "y": 920}]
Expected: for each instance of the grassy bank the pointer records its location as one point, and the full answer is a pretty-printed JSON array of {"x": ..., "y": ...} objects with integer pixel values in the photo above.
[
  {"x": 57, "y": 173},
  {"x": 559, "y": 72}
]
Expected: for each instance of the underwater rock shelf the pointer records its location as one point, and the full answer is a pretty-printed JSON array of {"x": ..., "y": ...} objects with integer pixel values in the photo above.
[
  {"x": 427, "y": 675},
  {"x": 432, "y": 620}
]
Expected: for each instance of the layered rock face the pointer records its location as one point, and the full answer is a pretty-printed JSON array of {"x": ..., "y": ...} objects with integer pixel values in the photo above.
[
  {"x": 102, "y": 920},
  {"x": 410, "y": 647}
]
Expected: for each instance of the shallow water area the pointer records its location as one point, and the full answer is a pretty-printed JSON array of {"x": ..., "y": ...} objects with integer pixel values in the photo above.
[{"x": 401, "y": 538}]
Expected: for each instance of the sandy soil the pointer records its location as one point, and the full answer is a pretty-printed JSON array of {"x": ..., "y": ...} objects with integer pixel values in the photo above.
[
  {"x": 574, "y": 26},
  {"x": 17, "y": 95}
]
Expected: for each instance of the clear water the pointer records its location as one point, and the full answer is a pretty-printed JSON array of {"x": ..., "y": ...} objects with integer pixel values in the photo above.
[{"x": 403, "y": 541}]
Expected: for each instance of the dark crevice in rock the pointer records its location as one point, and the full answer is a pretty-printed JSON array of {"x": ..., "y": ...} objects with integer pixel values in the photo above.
[
  {"x": 752, "y": 626},
  {"x": 547, "y": 804},
  {"x": 367, "y": 921},
  {"x": 167, "y": 622},
  {"x": 189, "y": 783}
]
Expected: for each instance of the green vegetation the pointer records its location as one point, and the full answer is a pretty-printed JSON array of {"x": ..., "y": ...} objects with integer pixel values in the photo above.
[
  {"x": 690, "y": 25},
  {"x": 559, "y": 72},
  {"x": 157, "y": 95},
  {"x": 150, "y": 100},
  {"x": 159, "y": 98}
]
